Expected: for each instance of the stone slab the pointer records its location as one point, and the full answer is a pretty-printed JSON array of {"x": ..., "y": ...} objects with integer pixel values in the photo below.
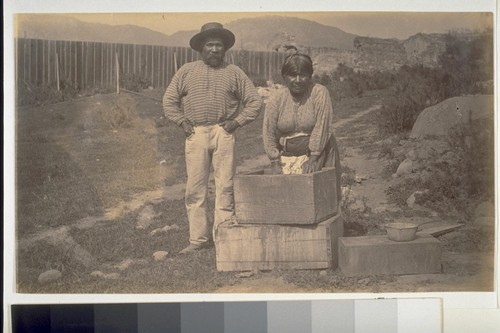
[{"x": 378, "y": 255}]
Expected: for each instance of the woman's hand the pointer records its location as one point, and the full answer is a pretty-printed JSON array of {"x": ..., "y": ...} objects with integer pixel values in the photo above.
[
  {"x": 311, "y": 165},
  {"x": 276, "y": 168}
]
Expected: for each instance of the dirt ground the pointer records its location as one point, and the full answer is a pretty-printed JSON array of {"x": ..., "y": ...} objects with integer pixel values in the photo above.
[{"x": 462, "y": 270}]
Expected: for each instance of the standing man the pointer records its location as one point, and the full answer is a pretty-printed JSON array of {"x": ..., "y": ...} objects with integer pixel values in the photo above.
[{"x": 203, "y": 98}]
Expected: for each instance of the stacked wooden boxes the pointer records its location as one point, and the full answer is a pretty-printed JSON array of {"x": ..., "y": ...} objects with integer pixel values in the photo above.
[{"x": 282, "y": 221}]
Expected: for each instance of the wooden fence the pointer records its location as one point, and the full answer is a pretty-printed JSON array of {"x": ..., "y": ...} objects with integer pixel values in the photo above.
[{"x": 93, "y": 65}]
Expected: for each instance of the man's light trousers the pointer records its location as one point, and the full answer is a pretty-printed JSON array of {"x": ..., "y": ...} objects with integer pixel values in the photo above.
[{"x": 209, "y": 145}]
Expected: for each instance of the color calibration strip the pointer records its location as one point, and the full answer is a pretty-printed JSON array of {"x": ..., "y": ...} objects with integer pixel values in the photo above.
[{"x": 322, "y": 316}]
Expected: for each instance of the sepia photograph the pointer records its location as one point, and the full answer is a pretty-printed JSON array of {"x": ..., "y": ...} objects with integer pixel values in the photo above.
[{"x": 254, "y": 152}]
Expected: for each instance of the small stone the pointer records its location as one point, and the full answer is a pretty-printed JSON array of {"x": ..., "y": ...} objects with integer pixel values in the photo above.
[
  {"x": 97, "y": 274},
  {"x": 411, "y": 201},
  {"x": 345, "y": 191},
  {"x": 245, "y": 274},
  {"x": 364, "y": 281},
  {"x": 146, "y": 216},
  {"x": 434, "y": 213},
  {"x": 323, "y": 273},
  {"x": 160, "y": 255},
  {"x": 358, "y": 179},
  {"x": 112, "y": 276},
  {"x": 124, "y": 264},
  {"x": 379, "y": 209},
  {"x": 165, "y": 229},
  {"x": 405, "y": 168},
  {"x": 49, "y": 276}
]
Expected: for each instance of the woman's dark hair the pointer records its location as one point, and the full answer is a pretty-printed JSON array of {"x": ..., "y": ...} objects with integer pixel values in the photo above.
[{"x": 296, "y": 62}]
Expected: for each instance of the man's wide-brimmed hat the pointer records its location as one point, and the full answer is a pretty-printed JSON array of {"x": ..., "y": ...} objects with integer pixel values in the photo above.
[{"x": 212, "y": 29}]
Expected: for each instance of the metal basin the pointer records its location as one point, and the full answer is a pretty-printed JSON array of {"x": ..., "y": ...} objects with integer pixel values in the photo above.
[{"x": 401, "y": 232}]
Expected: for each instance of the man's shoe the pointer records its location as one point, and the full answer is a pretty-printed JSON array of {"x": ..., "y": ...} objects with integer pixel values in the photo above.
[{"x": 192, "y": 248}]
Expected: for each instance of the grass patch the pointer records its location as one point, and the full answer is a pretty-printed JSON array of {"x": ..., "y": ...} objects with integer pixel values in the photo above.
[
  {"x": 470, "y": 239},
  {"x": 43, "y": 256},
  {"x": 333, "y": 280},
  {"x": 75, "y": 160},
  {"x": 102, "y": 242}
]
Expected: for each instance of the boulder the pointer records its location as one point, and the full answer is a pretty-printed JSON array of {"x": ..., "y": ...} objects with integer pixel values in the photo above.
[{"x": 438, "y": 119}]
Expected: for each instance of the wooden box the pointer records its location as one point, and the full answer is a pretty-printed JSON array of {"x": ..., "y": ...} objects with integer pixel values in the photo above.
[
  {"x": 241, "y": 247},
  {"x": 378, "y": 255},
  {"x": 285, "y": 199}
]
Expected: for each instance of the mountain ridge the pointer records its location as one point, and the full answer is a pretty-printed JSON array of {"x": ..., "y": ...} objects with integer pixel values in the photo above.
[
  {"x": 327, "y": 45},
  {"x": 256, "y": 34}
]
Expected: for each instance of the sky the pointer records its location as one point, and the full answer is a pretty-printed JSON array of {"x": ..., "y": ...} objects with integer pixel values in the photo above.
[
  {"x": 399, "y": 25},
  {"x": 381, "y": 18}
]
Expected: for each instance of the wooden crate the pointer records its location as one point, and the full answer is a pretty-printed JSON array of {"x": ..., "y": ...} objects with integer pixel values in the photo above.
[
  {"x": 241, "y": 247},
  {"x": 377, "y": 255},
  {"x": 286, "y": 199}
]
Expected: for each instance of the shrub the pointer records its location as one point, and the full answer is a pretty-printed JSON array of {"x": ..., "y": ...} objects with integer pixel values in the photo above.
[
  {"x": 376, "y": 80},
  {"x": 348, "y": 175},
  {"x": 414, "y": 89},
  {"x": 345, "y": 82},
  {"x": 464, "y": 175},
  {"x": 466, "y": 62},
  {"x": 134, "y": 82},
  {"x": 46, "y": 94},
  {"x": 119, "y": 116},
  {"x": 473, "y": 144}
]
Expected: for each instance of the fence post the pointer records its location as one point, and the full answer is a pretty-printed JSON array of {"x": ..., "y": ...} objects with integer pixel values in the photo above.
[
  {"x": 117, "y": 74},
  {"x": 57, "y": 71},
  {"x": 175, "y": 62}
]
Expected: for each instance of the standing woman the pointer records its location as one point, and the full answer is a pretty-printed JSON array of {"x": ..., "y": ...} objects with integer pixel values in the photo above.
[{"x": 297, "y": 131}]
